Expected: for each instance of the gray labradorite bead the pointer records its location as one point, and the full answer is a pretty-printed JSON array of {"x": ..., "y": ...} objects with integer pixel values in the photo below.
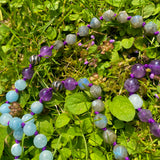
[
  {"x": 136, "y": 21},
  {"x": 83, "y": 31},
  {"x": 71, "y": 38},
  {"x": 158, "y": 38},
  {"x": 108, "y": 15},
  {"x": 100, "y": 120},
  {"x": 95, "y": 91},
  {"x": 150, "y": 28},
  {"x": 34, "y": 59},
  {"x": 98, "y": 105},
  {"x": 95, "y": 23},
  {"x": 120, "y": 152},
  {"x": 58, "y": 44},
  {"x": 109, "y": 136},
  {"x": 122, "y": 17}
]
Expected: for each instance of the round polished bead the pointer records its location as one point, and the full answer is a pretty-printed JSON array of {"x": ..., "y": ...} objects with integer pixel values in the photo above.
[
  {"x": 71, "y": 38},
  {"x": 20, "y": 84},
  {"x": 136, "y": 100},
  {"x": 138, "y": 70},
  {"x": 150, "y": 28},
  {"x": 95, "y": 23},
  {"x": 37, "y": 107},
  {"x": 131, "y": 85},
  {"x": 46, "y": 51},
  {"x": 120, "y": 152},
  {"x": 95, "y": 91},
  {"x": 12, "y": 96},
  {"x": 136, "y": 21},
  {"x": 108, "y": 15},
  {"x": 98, "y": 105},
  {"x": 83, "y": 83},
  {"x": 5, "y": 118},
  {"x": 15, "y": 123},
  {"x": 4, "y": 108},
  {"x": 144, "y": 115},
  {"x": 46, "y": 155},
  {"x": 158, "y": 38},
  {"x": 155, "y": 67},
  {"x": 29, "y": 129},
  {"x": 109, "y": 136},
  {"x": 70, "y": 83},
  {"x": 16, "y": 150},
  {"x": 58, "y": 44},
  {"x": 18, "y": 134},
  {"x": 155, "y": 129},
  {"x": 122, "y": 17},
  {"x": 57, "y": 85},
  {"x": 83, "y": 31},
  {"x": 34, "y": 59},
  {"x": 100, "y": 120},
  {"x": 46, "y": 94},
  {"x": 28, "y": 118},
  {"x": 40, "y": 141},
  {"x": 27, "y": 73}
]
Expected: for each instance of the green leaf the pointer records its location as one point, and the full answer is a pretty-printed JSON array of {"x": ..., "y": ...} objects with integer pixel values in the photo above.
[
  {"x": 117, "y": 45},
  {"x": 92, "y": 49},
  {"x": 116, "y": 3},
  {"x": 97, "y": 155},
  {"x": 151, "y": 52},
  {"x": 138, "y": 2},
  {"x": 115, "y": 56},
  {"x": 127, "y": 43},
  {"x": 51, "y": 33},
  {"x": 118, "y": 124},
  {"x": 77, "y": 103},
  {"x": 66, "y": 152},
  {"x": 140, "y": 43},
  {"x": 148, "y": 10},
  {"x": 158, "y": 89},
  {"x": 87, "y": 125},
  {"x": 122, "y": 108},
  {"x": 95, "y": 139},
  {"x": 62, "y": 120},
  {"x": 74, "y": 131}
]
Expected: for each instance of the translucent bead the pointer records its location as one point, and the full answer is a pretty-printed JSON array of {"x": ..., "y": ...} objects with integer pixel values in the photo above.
[
  {"x": 57, "y": 85},
  {"x": 136, "y": 100},
  {"x": 95, "y": 23},
  {"x": 122, "y": 17},
  {"x": 155, "y": 129},
  {"x": 58, "y": 44},
  {"x": 29, "y": 129},
  {"x": 27, "y": 117},
  {"x": 100, "y": 120},
  {"x": 83, "y": 83},
  {"x": 18, "y": 134},
  {"x": 136, "y": 21},
  {"x": 46, "y": 51},
  {"x": 16, "y": 150},
  {"x": 70, "y": 83},
  {"x": 108, "y": 15},
  {"x": 46, "y": 155},
  {"x": 40, "y": 141},
  {"x": 98, "y": 105},
  {"x": 95, "y": 91},
  {"x": 36, "y": 107},
  {"x": 138, "y": 70},
  {"x": 131, "y": 85},
  {"x": 12, "y": 96},
  {"x": 144, "y": 115},
  {"x": 150, "y": 28},
  {"x": 34, "y": 59},
  {"x": 158, "y": 38},
  {"x": 155, "y": 67},
  {"x": 5, "y": 118},
  {"x": 83, "y": 31},
  {"x": 109, "y": 136},
  {"x": 46, "y": 94},
  {"x": 120, "y": 152},
  {"x": 20, "y": 84},
  {"x": 71, "y": 38},
  {"x": 15, "y": 123},
  {"x": 4, "y": 108},
  {"x": 27, "y": 73}
]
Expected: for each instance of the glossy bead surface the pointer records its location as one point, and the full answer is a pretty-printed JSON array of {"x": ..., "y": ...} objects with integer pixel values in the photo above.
[
  {"x": 138, "y": 70},
  {"x": 109, "y": 136},
  {"x": 46, "y": 155},
  {"x": 95, "y": 23},
  {"x": 95, "y": 91},
  {"x": 70, "y": 83},
  {"x": 108, "y": 15},
  {"x": 29, "y": 129},
  {"x": 36, "y": 107},
  {"x": 40, "y": 141},
  {"x": 83, "y": 83},
  {"x": 83, "y": 31},
  {"x": 15, "y": 123},
  {"x": 120, "y": 152},
  {"x": 136, "y": 100},
  {"x": 122, "y": 17},
  {"x": 45, "y": 94},
  {"x": 136, "y": 21},
  {"x": 158, "y": 38},
  {"x": 27, "y": 73},
  {"x": 98, "y": 105},
  {"x": 46, "y": 51},
  {"x": 18, "y": 134},
  {"x": 150, "y": 28},
  {"x": 34, "y": 59},
  {"x": 71, "y": 38},
  {"x": 20, "y": 84},
  {"x": 12, "y": 96},
  {"x": 100, "y": 120},
  {"x": 16, "y": 150},
  {"x": 144, "y": 115},
  {"x": 155, "y": 129},
  {"x": 28, "y": 118},
  {"x": 58, "y": 44},
  {"x": 155, "y": 67},
  {"x": 4, "y": 118},
  {"x": 131, "y": 85},
  {"x": 4, "y": 108},
  {"x": 57, "y": 85}
]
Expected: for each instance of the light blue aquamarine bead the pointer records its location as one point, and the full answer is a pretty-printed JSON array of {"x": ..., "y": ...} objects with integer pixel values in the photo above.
[
  {"x": 95, "y": 23},
  {"x": 120, "y": 152},
  {"x": 20, "y": 84},
  {"x": 122, "y": 17},
  {"x": 5, "y": 117},
  {"x": 37, "y": 107},
  {"x": 40, "y": 140},
  {"x": 12, "y": 96},
  {"x": 71, "y": 38},
  {"x": 4, "y": 108},
  {"x": 46, "y": 155},
  {"x": 15, "y": 123},
  {"x": 83, "y": 31},
  {"x": 150, "y": 28},
  {"x": 29, "y": 129},
  {"x": 16, "y": 150},
  {"x": 108, "y": 15},
  {"x": 18, "y": 134},
  {"x": 100, "y": 120},
  {"x": 136, "y": 21},
  {"x": 83, "y": 83},
  {"x": 27, "y": 117}
]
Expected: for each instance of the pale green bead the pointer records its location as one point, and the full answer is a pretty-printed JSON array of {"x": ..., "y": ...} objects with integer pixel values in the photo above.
[
  {"x": 58, "y": 44},
  {"x": 136, "y": 21},
  {"x": 100, "y": 120},
  {"x": 83, "y": 31},
  {"x": 109, "y": 136},
  {"x": 158, "y": 38},
  {"x": 98, "y": 105},
  {"x": 95, "y": 91},
  {"x": 95, "y": 23},
  {"x": 71, "y": 38},
  {"x": 108, "y": 15},
  {"x": 150, "y": 28},
  {"x": 122, "y": 17}
]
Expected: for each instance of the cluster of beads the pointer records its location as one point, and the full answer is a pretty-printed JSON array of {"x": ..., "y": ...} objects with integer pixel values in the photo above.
[{"x": 132, "y": 85}]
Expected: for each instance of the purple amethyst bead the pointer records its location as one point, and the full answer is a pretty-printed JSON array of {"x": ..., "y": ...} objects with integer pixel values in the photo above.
[
  {"x": 144, "y": 115},
  {"x": 155, "y": 129},
  {"x": 27, "y": 73},
  {"x": 70, "y": 84},
  {"x": 46, "y": 51},
  {"x": 131, "y": 85},
  {"x": 138, "y": 70},
  {"x": 155, "y": 67},
  {"x": 45, "y": 94}
]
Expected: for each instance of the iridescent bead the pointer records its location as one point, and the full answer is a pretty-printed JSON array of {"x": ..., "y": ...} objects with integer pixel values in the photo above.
[
  {"x": 15, "y": 123},
  {"x": 12, "y": 96},
  {"x": 58, "y": 44},
  {"x": 20, "y": 84},
  {"x": 136, "y": 100},
  {"x": 4, "y": 118},
  {"x": 83, "y": 31},
  {"x": 71, "y": 38},
  {"x": 155, "y": 129},
  {"x": 4, "y": 108},
  {"x": 34, "y": 59},
  {"x": 36, "y": 107},
  {"x": 100, "y": 120},
  {"x": 131, "y": 85},
  {"x": 150, "y": 28},
  {"x": 28, "y": 118},
  {"x": 122, "y": 17},
  {"x": 83, "y": 83},
  {"x": 46, "y": 94},
  {"x": 120, "y": 152},
  {"x": 138, "y": 70},
  {"x": 136, "y": 21},
  {"x": 108, "y": 15},
  {"x": 29, "y": 129},
  {"x": 57, "y": 85},
  {"x": 16, "y": 150},
  {"x": 144, "y": 115},
  {"x": 158, "y": 38},
  {"x": 18, "y": 134},
  {"x": 109, "y": 136},
  {"x": 70, "y": 83},
  {"x": 95, "y": 23},
  {"x": 46, "y": 155},
  {"x": 40, "y": 141},
  {"x": 155, "y": 67},
  {"x": 98, "y": 105},
  {"x": 27, "y": 73},
  {"x": 46, "y": 51},
  {"x": 95, "y": 91}
]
